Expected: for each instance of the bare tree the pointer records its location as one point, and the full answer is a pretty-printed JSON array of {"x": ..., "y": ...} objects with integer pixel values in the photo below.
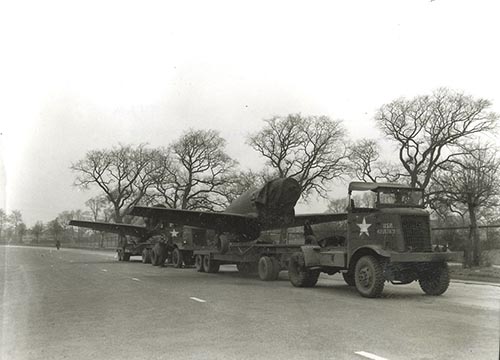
[
  {"x": 37, "y": 230},
  {"x": 429, "y": 129},
  {"x": 470, "y": 181},
  {"x": 365, "y": 164},
  {"x": 310, "y": 149},
  {"x": 15, "y": 220},
  {"x": 122, "y": 173},
  {"x": 194, "y": 171}
]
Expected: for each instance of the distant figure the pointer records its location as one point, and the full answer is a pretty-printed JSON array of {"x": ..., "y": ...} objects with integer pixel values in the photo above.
[{"x": 58, "y": 244}]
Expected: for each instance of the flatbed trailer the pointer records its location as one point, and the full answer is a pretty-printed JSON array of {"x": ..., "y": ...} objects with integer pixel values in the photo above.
[{"x": 265, "y": 259}]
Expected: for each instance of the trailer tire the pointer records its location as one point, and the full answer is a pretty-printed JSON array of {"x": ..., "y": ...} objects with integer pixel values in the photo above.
[
  {"x": 349, "y": 278},
  {"x": 177, "y": 258},
  {"x": 198, "y": 263},
  {"x": 266, "y": 268},
  {"x": 276, "y": 268},
  {"x": 210, "y": 265},
  {"x": 146, "y": 256},
  {"x": 126, "y": 256},
  {"x": 119, "y": 252},
  {"x": 298, "y": 274},
  {"x": 436, "y": 281},
  {"x": 369, "y": 276}
]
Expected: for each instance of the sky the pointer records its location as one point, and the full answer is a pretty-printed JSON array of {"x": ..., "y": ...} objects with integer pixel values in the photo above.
[{"x": 83, "y": 75}]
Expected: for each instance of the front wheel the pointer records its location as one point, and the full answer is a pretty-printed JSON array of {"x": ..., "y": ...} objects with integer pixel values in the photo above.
[
  {"x": 436, "y": 281},
  {"x": 298, "y": 274},
  {"x": 369, "y": 276}
]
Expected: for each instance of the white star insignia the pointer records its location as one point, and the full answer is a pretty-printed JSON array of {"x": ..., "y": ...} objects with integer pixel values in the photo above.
[
  {"x": 174, "y": 233},
  {"x": 363, "y": 227}
]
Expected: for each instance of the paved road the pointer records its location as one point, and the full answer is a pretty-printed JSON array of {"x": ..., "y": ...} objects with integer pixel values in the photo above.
[{"x": 73, "y": 304}]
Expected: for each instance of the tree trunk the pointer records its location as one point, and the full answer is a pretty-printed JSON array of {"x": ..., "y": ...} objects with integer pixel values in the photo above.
[{"x": 474, "y": 255}]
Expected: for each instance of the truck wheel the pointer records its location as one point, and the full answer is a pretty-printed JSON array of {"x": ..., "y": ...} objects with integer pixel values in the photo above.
[
  {"x": 210, "y": 265},
  {"x": 276, "y": 268},
  {"x": 120, "y": 254},
  {"x": 146, "y": 256},
  {"x": 126, "y": 256},
  {"x": 177, "y": 258},
  {"x": 369, "y": 277},
  {"x": 198, "y": 263},
  {"x": 349, "y": 278},
  {"x": 222, "y": 244},
  {"x": 266, "y": 268},
  {"x": 436, "y": 281},
  {"x": 298, "y": 274},
  {"x": 157, "y": 255}
]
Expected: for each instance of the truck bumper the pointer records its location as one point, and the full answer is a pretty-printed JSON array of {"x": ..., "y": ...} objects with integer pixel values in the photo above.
[{"x": 426, "y": 257}]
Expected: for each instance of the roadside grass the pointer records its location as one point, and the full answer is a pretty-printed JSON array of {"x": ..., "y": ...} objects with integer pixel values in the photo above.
[{"x": 485, "y": 273}]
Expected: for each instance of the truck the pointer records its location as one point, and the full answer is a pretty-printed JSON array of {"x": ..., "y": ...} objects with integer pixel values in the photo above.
[
  {"x": 187, "y": 246},
  {"x": 385, "y": 239}
]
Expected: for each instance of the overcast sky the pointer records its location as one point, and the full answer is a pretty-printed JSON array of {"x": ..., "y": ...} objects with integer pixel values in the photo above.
[{"x": 81, "y": 75}]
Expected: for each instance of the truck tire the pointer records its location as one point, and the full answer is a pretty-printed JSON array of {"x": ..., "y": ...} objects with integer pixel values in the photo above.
[
  {"x": 198, "y": 263},
  {"x": 119, "y": 252},
  {"x": 210, "y": 265},
  {"x": 369, "y": 276},
  {"x": 177, "y": 258},
  {"x": 126, "y": 256},
  {"x": 298, "y": 274},
  {"x": 266, "y": 268},
  {"x": 436, "y": 281},
  {"x": 146, "y": 256},
  {"x": 158, "y": 255},
  {"x": 349, "y": 278}
]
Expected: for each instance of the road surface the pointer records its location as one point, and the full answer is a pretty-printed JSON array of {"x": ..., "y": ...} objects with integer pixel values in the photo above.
[{"x": 76, "y": 304}]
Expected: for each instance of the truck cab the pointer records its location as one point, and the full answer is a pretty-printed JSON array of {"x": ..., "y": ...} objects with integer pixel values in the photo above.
[{"x": 387, "y": 238}]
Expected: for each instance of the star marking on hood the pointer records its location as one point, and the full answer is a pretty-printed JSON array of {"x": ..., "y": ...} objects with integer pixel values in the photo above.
[{"x": 174, "y": 233}]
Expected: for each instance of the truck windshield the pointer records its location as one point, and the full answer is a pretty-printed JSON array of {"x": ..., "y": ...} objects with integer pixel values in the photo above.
[{"x": 400, "y": 197}]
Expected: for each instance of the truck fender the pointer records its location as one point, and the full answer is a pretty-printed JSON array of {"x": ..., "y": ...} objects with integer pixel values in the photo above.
[
  {"x": 366, "y": 250},
  {"x": 311, "y": 255}
]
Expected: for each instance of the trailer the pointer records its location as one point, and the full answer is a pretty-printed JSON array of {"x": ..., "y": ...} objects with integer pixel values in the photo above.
[{"x": 265, "y": 259}]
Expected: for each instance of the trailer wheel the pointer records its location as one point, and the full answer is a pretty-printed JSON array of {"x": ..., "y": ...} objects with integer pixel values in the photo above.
[
  {"x": 126, "y": 256},
  {"x": 349, "y": 278},
  {"x": 436, "y": 281},
  {"x": 146, "y": 256},
  {"x": 198, "y": 263},
  {"x": 298, "y": 274},
  {"x": 369, "y": 277},
  {"x": 120, "y": 254},
  {"x": 276, "y": 268},
  {"x": 177, "y": 258},
  {"x": 210, "y": 265},
  {"x": 266, "y": 268}
]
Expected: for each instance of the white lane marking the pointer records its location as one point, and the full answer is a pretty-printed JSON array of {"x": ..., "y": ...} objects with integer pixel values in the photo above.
[
  {"x": 196, "y": 299},
  {"x": 104, "y": 270},
  {"x": 369, "y": 355},
  {"x": 136, "y": 279}
]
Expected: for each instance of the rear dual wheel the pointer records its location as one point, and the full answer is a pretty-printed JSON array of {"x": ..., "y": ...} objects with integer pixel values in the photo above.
[
  {"x": 177, "y": 258},
  {"x": 210, "y": 265},
  {"x": 298, "y": 273}
]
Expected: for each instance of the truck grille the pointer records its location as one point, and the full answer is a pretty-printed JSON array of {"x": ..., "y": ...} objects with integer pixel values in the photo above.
[{"x": 416, "y": 233}]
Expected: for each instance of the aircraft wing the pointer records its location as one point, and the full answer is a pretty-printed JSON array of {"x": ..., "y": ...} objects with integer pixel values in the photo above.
[
  {"x": 123, "y": 229},
  {"x": 318, "y": 218},
  {"x": 220, "y": 221}
]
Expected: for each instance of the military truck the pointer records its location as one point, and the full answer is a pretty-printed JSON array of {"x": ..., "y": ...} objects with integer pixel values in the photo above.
[{"x": 388, "y": 238}]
